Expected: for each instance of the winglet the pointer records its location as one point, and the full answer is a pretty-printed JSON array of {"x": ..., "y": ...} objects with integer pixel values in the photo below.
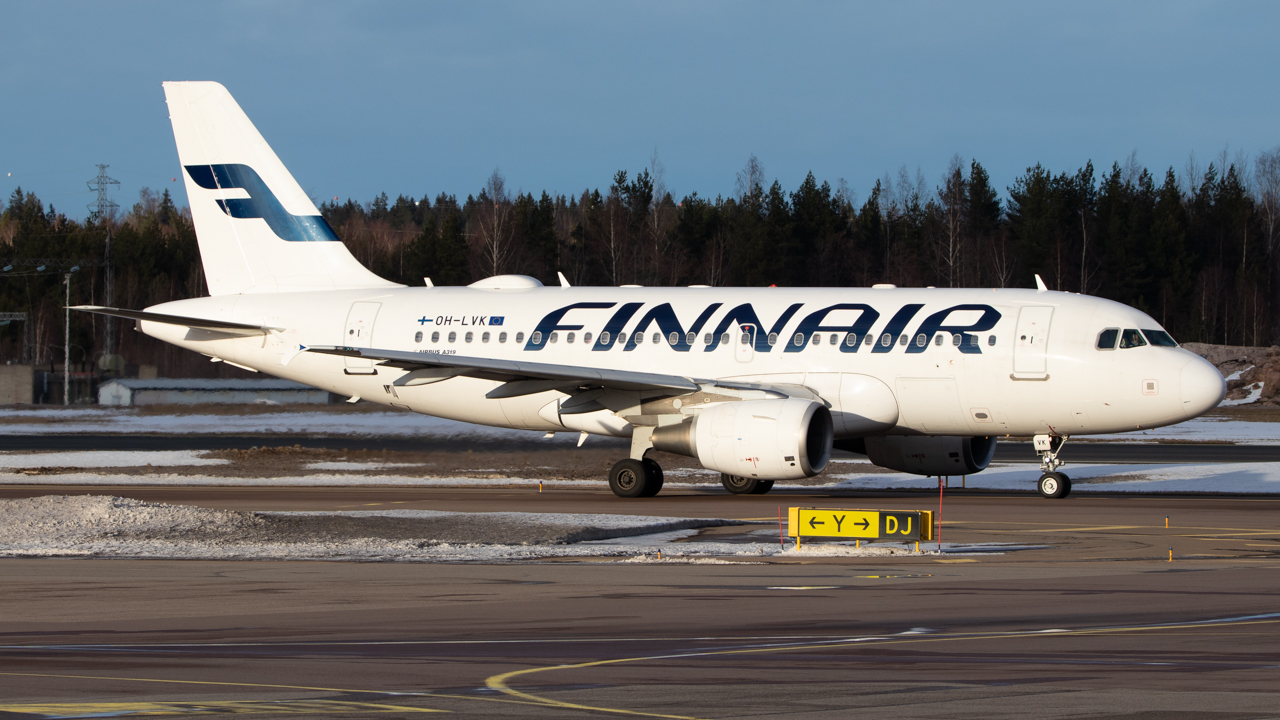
[
  {"x": 1040, "y": 286},
  {"x": 427, "y": 280},
  {"x": 564, "y": 282}
]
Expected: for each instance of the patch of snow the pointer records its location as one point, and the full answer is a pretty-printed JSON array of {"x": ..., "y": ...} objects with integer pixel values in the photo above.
[
  {"x": 107, "y": 459},
  {"x": 1236, "y": 375},
  {"x": 124, "y": 420},
  {"x": 342, "y": 465},
  {"x": 1209, "y": 428},
  {"x": 1209, "y": 478},
  {"x": 1255, "y": 392}
]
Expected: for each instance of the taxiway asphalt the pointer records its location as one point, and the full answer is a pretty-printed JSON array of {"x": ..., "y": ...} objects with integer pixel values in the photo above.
[{"x": 1089, "y": 620}]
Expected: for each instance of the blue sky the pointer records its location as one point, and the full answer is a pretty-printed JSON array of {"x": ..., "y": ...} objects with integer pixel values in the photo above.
[{"x": 418, "y": 98}]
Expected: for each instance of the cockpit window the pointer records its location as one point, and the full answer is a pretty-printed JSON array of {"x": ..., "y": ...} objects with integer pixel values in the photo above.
[
  {"x": 1107, "y": 338},
  {"x": 1159, "y": 338},
  {"x": 1131, "y": 338}
]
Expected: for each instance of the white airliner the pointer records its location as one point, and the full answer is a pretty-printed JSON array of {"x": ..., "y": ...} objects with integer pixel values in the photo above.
[{"x": 758, "y": 384}]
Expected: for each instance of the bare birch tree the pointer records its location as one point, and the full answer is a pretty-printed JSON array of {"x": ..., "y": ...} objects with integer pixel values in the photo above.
[{"x": 493, "y": 226}]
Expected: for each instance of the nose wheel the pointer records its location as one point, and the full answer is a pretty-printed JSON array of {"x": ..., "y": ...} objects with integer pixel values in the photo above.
[{"x": 1053, "y": 484}]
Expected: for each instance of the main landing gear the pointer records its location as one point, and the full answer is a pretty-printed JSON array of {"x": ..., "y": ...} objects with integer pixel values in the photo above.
[
  {"x": 739, "y": 485},
  {"x": 635, "y": 478},
  {"x": 1053, "y": 484}
]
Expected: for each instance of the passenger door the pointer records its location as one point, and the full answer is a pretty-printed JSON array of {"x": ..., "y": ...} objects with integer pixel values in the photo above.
[{"x": 1031, "y": 342}]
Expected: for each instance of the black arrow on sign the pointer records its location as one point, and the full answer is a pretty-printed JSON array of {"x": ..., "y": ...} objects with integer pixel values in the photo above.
[
  {"x": 865, "y": 524},
  {"x": 814, "y": 522}
]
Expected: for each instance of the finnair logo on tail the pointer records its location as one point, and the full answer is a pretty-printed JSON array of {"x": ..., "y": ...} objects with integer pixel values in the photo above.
[{"x": 261, "y": 203}]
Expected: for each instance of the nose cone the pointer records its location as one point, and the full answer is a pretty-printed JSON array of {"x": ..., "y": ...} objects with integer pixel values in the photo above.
[{"x": 1202, "y": 387}]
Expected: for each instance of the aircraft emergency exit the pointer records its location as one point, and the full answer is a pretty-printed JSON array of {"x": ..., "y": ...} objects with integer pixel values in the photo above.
[{"x": 758, "y": 384}]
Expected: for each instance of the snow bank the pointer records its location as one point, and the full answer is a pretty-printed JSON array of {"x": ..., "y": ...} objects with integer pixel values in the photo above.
[
  {"x": 100, "y": 526},
  {"x": 107, "y": 459}
]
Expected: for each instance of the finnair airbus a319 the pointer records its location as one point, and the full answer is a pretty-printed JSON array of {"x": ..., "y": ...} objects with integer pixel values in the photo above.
[{"x": 758, "y": 384}]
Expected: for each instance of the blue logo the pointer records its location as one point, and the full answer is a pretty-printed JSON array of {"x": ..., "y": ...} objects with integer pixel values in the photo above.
[
  {"x": 261, "y": 203},
  {"x": 496, "y": 319}
]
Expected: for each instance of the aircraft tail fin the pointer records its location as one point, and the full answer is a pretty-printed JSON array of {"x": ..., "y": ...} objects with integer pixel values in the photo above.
[{"x": 258, "y": 231}]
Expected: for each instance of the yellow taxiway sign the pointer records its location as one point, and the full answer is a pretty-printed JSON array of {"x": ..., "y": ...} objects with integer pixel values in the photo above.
[{"x": 899, "y": 525}]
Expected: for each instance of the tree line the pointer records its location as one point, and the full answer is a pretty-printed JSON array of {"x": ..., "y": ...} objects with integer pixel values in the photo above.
[{"x": 1196, "y": 247}]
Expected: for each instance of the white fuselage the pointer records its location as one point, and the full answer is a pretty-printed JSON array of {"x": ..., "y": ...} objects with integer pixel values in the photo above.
[{"x": 1035, "y": 370}]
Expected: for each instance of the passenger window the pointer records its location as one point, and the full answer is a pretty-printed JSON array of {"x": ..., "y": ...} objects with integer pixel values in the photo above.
[
  {"x": 553, "y": 337},
  {"x": 586, "y": 338},
  {"x": 902, "y": 339},
  {"x": 520, "y": 337},
  {"x": 417, "y": 337},
  {"x": 1159, "y": 338},
  {"x": 798, "y": 340},
  {"x": 885, "y": 340},
  {"x": 937, "y": 340},
  {"x": 955, "y": 340},
  {"x": 435, "y": 337},
  {"x": 773, "y": 339},
  {"x": 657, "y": 338},
  {"x": 724, "y": 338},
  {"x": 867, "y": 339},
  {"x": 637, "y": 338},
  {"x": 604, "y": 338},
  {"x": 834, "y": 339},
  {"x": 484, "y": 337},
  {"x": 991, "y": 340},
  {"x": 568, "y": 337},
  {"x": 502, "y": 337},
  {"x": 850, "y": 339},
  {"x": 745, "y": 339},
  {"x": 1131, "y": 338},
  {"x": 690, "y": 338},
  {"x": 453, "y": 336},
  {"x": 921, "y": 340},
  {"x": 1107, "y": 338},
  {"x": 469, "y": 336},
  {"x": 817, "y": 339},
  {"x": 536, "y": 337},
  {"x": 622, "y": 338},
  {"x": 706, "y": 339}
]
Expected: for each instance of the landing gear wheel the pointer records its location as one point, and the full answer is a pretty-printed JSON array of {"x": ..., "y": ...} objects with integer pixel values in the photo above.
[
  {"x": 633, "y": 478},
  {"x": 654, "y": 472},
  {"x": 762, "y": 487},
  {"x": 1054, "y": 485},
  {"x": 739, "y": 485}
]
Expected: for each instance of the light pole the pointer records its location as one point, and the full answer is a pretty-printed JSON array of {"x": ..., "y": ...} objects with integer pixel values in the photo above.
[{"x": 66, "y": 343}]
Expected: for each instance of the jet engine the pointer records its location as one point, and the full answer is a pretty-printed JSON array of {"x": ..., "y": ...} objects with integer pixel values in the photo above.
[
  {"x": 925, "y": 455},
  {"x": 782, "y": 439}
]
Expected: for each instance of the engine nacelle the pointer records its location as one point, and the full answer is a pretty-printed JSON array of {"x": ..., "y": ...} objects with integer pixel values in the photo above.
[
  {"x": 924, "y": 455},
  {"x": 782, "y": 439}
]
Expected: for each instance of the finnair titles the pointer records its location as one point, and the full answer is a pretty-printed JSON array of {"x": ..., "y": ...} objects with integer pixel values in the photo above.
[{"x": 758, "y": 384}]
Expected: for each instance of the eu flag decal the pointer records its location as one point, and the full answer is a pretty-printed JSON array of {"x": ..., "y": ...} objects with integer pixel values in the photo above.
[{"x": 496, "y": 319}]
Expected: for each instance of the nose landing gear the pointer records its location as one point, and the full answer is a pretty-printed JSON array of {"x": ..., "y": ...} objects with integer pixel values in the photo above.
[{"x": 1053, "y": 484}]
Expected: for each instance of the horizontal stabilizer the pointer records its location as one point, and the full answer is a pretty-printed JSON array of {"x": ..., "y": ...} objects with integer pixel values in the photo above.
[
  {"x": 509, "y": 370},
  {"x": 223, "y": 326}
]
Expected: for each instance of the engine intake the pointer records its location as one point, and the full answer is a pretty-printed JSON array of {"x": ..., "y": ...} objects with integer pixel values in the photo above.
[
  {"x": 925, "y": 455},
  {"x": 784, "y": 439}
]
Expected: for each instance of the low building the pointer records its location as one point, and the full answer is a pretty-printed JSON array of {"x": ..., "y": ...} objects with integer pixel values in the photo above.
[{"x": 197, "y": 392}]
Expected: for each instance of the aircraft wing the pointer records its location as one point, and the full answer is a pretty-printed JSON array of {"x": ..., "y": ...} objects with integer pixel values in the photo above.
[
  {"x": 520, "y": 377},
  {"x": 222, "y": 326}
]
